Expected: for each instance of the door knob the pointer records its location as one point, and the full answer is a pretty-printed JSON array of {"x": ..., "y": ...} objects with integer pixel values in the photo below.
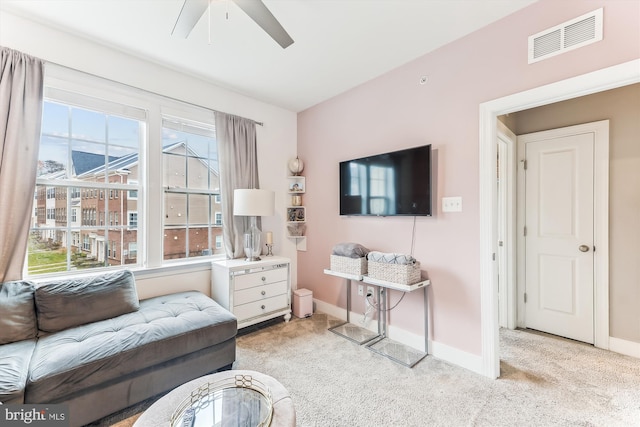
[{"x": 583, "y": 248}]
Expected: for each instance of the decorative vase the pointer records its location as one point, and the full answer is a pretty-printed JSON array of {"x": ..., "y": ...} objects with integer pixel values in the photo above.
[
  {"x": 296, "y": 166},
  {"x": 296, "y": 200}
]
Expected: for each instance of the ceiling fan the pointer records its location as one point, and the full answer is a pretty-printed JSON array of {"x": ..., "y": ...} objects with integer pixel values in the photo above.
[{"x": 192, "y": 10}]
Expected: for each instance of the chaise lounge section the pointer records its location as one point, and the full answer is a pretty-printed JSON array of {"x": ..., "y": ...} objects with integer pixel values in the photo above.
[{"x": 89, "y": 343}]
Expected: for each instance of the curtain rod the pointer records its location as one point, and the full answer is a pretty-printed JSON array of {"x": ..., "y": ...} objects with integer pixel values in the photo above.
[{"x": 144, "y": 90}]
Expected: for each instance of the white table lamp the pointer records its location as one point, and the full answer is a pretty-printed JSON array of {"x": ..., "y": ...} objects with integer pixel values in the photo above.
[{"x": 253, "y": 203}]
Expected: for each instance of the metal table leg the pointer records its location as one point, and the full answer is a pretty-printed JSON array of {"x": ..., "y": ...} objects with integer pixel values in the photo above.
[{"x": 350, "y": 331}]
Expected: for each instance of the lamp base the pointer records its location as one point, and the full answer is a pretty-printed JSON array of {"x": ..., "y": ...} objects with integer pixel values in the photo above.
[{"x": 252, "y": 247}]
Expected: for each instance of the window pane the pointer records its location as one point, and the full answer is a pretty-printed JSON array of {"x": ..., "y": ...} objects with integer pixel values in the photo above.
[
  {"x": 88, "y": 159},
  {"x": 119, "y": 155},
  {"x": 192, "y": 184},
  {"x": 199, "y": 242},
  {"x": 55, "y": 119},
  {"x": 124, "y": 132},
  {"x": 175, "y": 209},
  {"x": 199, "y": 212},
  {"x": 175, "y": 170},
  {"x": 53, "y": 157},
  {"x": 175, "y": 243},
  {"x": 44, "y": 254},
  {"x": 198, "y": 176},
  {"x": 76, "y": 228},
  {"x": 88, "y": 125}
]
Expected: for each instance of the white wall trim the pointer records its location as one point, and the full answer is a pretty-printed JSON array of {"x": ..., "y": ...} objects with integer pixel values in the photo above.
[
  {"x": 586, "y": 84},
  {"x": 628, "y": 348},
  {"x": 469, "y": 361},
  {"x": 508, "y": 182},
  {"x": 438, "y": 350}
]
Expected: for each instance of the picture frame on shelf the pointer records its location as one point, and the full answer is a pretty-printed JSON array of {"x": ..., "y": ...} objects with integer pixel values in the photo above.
[
  {"x": 296, "y": 214},
  {"x": 296, "y": 184}
]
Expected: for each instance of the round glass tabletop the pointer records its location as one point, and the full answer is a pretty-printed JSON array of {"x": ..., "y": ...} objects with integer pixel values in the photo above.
[{"x": 239, "y": 400}]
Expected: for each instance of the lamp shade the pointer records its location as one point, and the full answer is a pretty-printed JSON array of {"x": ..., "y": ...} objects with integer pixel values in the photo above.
[{"x": 253, "y": 202}]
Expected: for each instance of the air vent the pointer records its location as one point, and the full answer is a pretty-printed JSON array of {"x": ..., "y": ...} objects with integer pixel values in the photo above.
[{"x": 562, "y": 38}]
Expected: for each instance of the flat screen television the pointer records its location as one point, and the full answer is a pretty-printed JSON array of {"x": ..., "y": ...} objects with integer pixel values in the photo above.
[{"x": 395, "y": 183}]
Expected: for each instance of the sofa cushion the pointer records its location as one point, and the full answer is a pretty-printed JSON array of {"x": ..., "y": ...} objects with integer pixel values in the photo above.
[
  {"x": 66, "y": 303},
  {"x": 14, "y": 370},
  {"x": 164, "y": 328},
  {"x": 17, "y": 312}
]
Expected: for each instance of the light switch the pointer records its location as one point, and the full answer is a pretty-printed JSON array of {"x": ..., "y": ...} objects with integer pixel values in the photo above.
[{"x": 452, "y": 204}]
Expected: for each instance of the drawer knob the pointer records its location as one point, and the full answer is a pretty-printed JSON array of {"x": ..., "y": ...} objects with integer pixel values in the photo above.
[
  {"x": 263, "y": 292},
  {"x": 263, "y": 306},
  {"x": 264, "y": 278}
]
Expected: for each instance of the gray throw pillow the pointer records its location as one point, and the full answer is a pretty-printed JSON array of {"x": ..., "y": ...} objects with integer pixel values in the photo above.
[
  {"x": 66, "y": 303},
  {"x": 17, "y": 312}
]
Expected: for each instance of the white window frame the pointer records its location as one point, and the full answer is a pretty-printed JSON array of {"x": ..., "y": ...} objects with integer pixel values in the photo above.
[{"x": 148, "y": 247}]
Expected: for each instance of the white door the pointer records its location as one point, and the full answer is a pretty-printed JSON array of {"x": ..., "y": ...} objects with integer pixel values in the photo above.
[{"x": 559, "y": 218}]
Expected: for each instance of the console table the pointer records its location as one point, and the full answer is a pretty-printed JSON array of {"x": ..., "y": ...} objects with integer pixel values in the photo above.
[{"x": 379, "y": 342}]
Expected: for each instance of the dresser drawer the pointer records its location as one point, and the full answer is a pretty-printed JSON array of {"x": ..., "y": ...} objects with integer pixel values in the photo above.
[
  {"x": 249, "y": 280},
  {"x": 259, "y": 293},
  {"x": 258, "y": 308}
]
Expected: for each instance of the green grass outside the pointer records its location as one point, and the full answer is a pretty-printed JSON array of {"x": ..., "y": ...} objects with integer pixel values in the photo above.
[{"x": 47, "y": 261}]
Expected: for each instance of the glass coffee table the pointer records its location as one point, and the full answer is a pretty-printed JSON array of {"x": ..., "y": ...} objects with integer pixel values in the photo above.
[{"x": 234, "y": 400}]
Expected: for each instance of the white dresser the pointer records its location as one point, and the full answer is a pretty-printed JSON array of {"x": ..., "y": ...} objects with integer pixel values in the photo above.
[{"x": 254, "y": 291}]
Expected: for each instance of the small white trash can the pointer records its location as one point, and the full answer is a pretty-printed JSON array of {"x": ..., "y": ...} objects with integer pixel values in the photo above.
[{"x": 302, "y": 303}]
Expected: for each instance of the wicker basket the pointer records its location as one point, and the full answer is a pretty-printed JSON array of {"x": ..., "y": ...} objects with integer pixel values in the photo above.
[
  {"x": 405, "y": 274},
  {"x": 343, "y": 264}
]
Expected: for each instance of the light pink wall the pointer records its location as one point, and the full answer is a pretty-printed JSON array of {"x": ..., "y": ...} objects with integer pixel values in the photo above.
[{"x": 394, "y": 112}]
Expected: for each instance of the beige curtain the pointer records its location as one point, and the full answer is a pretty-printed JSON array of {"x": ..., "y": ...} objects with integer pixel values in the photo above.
[
  {"x": 21, "y": 88},
  {"x": 238, "y": 158}
]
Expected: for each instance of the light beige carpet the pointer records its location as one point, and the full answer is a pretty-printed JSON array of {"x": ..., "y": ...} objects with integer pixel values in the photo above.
[{"x": 546, "y": 381}]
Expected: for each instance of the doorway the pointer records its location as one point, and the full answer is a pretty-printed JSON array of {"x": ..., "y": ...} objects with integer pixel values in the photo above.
[{"x": 601, "y": 80}]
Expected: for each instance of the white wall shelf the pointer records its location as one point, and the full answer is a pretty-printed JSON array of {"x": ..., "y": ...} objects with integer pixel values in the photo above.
[{"x": 296, "y": 214}]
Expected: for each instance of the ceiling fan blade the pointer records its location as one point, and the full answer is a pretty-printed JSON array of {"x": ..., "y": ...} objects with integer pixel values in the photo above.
[
  {"x": 265, "y": 19},
  {"x": 189, "y": 16}
]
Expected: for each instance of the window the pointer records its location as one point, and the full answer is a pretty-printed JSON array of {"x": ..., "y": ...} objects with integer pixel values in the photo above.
[
  {"x": 192, "y": 186},
  {"x": 84, "y": 152},
  {"x": 133, "y": 194},
  {"x": 97, "y": 152},
  {"x": 132, "y": 253},
  {"x": 133, "y": 219}
]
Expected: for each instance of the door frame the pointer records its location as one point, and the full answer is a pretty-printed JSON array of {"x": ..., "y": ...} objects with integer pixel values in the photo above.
[
  {"x": 600, "y": 223},
  {"x": 608, "y": 78},
  {"x": 507, "y": 166}
]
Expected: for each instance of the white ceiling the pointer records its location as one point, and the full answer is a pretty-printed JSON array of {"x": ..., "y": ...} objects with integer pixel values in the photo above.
[{"x": 339, "y": 44}]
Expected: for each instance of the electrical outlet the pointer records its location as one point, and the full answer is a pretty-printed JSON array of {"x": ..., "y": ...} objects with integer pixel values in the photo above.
[
  {"x": 361, "y": 290},
  {"x": 452, "y": 204},
  {"x": 370, "y": 291}
]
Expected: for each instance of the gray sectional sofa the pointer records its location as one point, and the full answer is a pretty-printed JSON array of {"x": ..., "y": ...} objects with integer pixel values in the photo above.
[{"x": 89, "y": 343}]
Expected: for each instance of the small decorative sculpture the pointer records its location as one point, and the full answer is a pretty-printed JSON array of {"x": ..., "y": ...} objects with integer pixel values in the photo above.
[{"x": 296, "y": 166}]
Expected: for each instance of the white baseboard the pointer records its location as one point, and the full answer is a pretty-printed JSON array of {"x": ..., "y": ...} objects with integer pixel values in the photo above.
[
  {"x": 441, "y": 351},
  {"x": 628, "y": 348},
  {"x": 472, "y": 362}
]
